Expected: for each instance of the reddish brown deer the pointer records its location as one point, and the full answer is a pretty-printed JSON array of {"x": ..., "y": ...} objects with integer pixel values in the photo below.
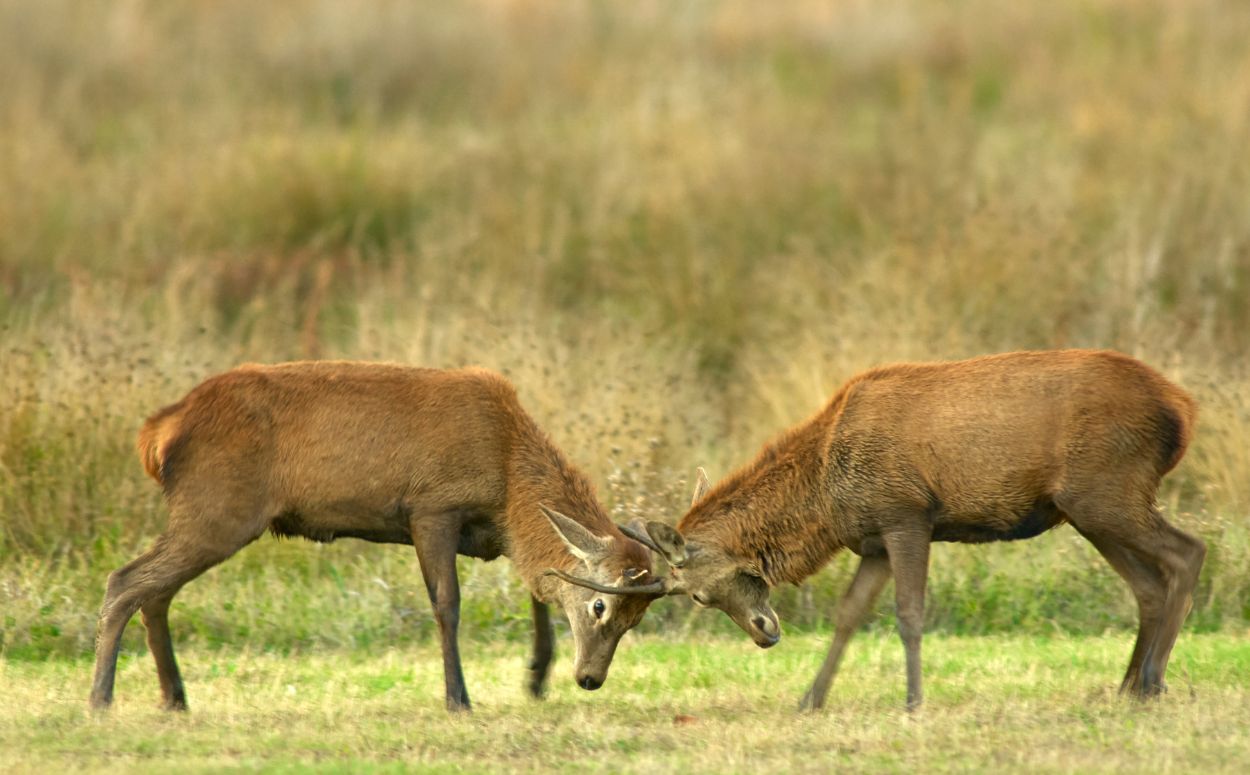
[
  {"x": 445, "y": 461},
  {"x": 997, "y": 448}
]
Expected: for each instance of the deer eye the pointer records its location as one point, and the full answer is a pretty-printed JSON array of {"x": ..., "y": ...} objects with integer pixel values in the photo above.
[{"x": 598, "y": 608}]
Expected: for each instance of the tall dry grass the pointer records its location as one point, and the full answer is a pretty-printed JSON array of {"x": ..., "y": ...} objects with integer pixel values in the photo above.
[{"x": 677, "y": 227}]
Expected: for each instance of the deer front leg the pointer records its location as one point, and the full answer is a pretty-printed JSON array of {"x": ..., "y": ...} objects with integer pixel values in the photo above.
[
  {"x": 544, "y": 647},
  {"x": 436, "y": 539},
  {"x": 909, "y": 557},
  {"x": 871, "y": 576}
]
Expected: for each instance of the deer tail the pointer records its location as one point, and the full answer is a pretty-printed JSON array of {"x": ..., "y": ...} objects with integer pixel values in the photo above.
[
  {"x": 1176, "y": 423},
  {"x": 155, "y": 439}
]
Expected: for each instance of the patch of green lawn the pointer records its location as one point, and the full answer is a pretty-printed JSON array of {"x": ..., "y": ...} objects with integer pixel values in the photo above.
[{"x": 720, "y": 705}]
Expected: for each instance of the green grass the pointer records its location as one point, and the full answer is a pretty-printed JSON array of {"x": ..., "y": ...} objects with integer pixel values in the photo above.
[{"x": 993, "y": 704}]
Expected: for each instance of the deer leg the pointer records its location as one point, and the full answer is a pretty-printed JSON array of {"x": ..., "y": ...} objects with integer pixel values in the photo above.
[
  {"x": 1179, "y": 557},
  {"x": 869, "y": 579},
  {"x": 1151, "y": 592},
  {"x": 150, "y": 582},
  {"x": 156, "y": 621},
  {"x": 544, "y": 647},
  {"x": 121, "y": 599},
  {"x": 436, "y": 539},
  {"x": 909, "y": 557}
]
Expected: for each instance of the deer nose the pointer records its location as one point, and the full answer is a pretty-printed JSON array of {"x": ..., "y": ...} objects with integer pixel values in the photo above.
[
  {"x": 589, "y": 683},
  {"x": 769, "y": 629}
]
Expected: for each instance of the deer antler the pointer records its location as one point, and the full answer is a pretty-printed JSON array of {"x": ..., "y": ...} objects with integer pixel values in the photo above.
[
  {"x": 657, "y": 588},
  {"x": 641, "y": 537}
]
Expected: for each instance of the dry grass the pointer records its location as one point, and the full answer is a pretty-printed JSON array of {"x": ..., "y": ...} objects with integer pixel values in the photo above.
[
  {"x": 994, "y": 704},
  {"x": 677, "y": 228}
]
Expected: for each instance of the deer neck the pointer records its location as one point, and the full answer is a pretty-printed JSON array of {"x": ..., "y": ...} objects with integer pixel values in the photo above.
[
  {"x": 540, "y": 474},
  {"x": 774, "y": 513}
]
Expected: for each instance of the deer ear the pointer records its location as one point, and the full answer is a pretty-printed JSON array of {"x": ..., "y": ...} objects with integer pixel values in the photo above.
[
  {"x": 670, "y": 543},
  {"x": 701, "y": 485},
  {"x": 581, "y": 543}
]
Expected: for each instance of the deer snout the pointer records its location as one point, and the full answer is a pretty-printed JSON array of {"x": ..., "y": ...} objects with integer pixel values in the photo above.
[
  {"x": 767, "y": 631},
  {"x": 589, "y": 683}
]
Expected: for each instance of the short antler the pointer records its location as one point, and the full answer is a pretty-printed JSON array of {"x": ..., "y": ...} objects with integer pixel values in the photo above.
[
  {"x": 701, "y": 485},
  {"x": 641, "y": 537},
  {"x": 658, "y": 588}
]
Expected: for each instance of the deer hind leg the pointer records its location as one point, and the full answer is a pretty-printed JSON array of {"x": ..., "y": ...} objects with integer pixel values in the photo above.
[
  {"x": 544, "y": 647},
  {"x": 149, "y": 582},
  {"x": 909, "y": 557},
  {"x": 122, "y": 597},
  {"x": 1150, "y": 591},
  {"x": 1179, "y": 557},
  {"x": 435, "y": 538},
  {"x": 870, "y": 578},
  {"x": 1165, "y": 562},
  {"x": 155, "y": 614}
]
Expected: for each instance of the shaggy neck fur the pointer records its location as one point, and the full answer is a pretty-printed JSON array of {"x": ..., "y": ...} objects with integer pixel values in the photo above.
[
  {"x": 539, "y": 473},
  {"x": 772, "y": 513}
]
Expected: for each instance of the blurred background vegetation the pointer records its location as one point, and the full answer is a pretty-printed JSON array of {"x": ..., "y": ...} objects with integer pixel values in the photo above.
[{"x": 678, "y": 227}]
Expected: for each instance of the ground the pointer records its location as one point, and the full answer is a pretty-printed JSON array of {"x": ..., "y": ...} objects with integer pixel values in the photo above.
[{"x": 993, "y": 704}]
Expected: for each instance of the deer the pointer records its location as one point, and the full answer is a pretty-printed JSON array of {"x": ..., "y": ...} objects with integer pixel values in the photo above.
[
  {"x": 996, "y": 448},
  {"x": 446, "y": 461}
]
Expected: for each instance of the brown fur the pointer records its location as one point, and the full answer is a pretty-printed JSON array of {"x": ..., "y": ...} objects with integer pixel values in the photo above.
[
  {"x": 447, "y": 461},
  {"x": 1001, "y": 447}
]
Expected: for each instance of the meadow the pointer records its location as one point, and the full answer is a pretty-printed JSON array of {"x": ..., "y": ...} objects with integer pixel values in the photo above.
[
  {"x": 995, "y": 703},
  {"x": 677, "y": 228}
]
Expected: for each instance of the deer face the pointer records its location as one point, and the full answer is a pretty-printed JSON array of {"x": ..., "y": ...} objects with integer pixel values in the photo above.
[
  {"x": 714, "y": 579},
  {"x": 598, "y": 619}
]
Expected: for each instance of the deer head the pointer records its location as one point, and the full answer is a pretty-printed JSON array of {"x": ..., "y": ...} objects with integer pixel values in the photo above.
[
  {"x": 710, "y": 576},
  {"x": 603, "y": 601}
]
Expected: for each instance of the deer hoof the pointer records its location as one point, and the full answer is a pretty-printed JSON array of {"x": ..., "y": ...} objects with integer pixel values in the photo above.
[
  {"x": 537, "y": 687},
  {"x": 810, "y": 703}
]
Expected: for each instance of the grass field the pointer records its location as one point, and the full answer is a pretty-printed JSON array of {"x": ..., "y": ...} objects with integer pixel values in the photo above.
[
  {"x": 994, "y": 704},
  {"x": 677, "y": 227}
]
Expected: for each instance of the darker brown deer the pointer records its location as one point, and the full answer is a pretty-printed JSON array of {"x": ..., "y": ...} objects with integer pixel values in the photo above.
[
  {"x": 997, "y": 448},
  {"x": 445, "y": 461}
]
